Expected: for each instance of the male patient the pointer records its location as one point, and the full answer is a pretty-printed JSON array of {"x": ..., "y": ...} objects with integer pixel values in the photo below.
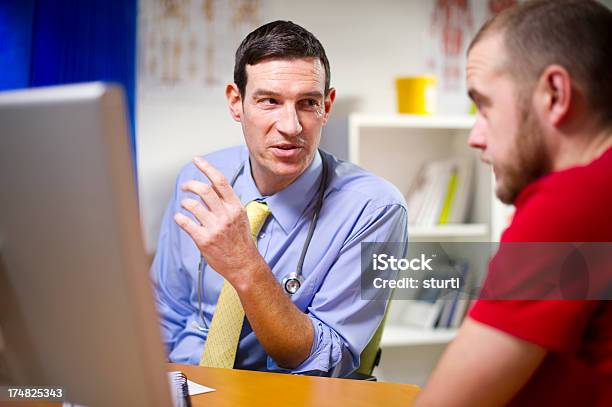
[
  {"x": 541, "y": 77},
  {"x": 242, "y": 216}
]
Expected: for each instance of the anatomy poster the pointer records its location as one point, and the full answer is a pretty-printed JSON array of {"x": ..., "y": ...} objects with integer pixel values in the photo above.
[
  {"x": 190, "y": 44},
  {"x": 453, "y": 23}
]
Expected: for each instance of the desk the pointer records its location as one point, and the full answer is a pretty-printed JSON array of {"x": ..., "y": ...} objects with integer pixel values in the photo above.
[{"x": 248, "y": 388}]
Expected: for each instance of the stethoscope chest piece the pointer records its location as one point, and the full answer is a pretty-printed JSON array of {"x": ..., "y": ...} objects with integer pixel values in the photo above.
[{"x": 292, "y": 283}]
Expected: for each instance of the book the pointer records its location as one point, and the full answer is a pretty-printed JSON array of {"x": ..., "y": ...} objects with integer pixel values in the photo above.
[
  {"x": 179, "y": 389},
  {"x": 440, "y": 307},
  {"x": 450, "y": 196},
  {"x": 454, "y": 309},
  {"x": 463, "y": 296},
  {"x": 426, "y": 309},
  {"x": 441, "y": 192},
  {"x": 458, "y": 211},
  {"x": 416, "y": 195},
  {"x": 440, "y": 175},
  {"x": 178, "y": 381}
]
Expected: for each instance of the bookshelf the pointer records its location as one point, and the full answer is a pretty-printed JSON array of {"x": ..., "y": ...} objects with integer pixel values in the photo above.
[
  {"x": 396, "y": 147},
  {"x": 407, "y": 336},
  {"x": 461, "y": 232}
]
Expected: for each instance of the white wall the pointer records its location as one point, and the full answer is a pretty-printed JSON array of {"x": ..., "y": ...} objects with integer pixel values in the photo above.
[{"x": 368, "y": 44}]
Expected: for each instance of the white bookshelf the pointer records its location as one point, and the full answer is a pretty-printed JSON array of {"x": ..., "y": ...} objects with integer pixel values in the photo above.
[
  {"x": 397, "y": 335},
  {"x": 462, "y": 232},
  {"x": 395, "y": 147}
]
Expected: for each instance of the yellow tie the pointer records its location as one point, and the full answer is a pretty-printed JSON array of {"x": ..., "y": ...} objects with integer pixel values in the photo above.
[{"x": 222, "y": 341}]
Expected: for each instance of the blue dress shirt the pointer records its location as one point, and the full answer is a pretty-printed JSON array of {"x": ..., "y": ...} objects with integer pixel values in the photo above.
[{"x": 358, "y": 207}]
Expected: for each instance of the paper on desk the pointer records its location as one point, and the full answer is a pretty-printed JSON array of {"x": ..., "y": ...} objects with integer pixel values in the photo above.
[{"x": 193, "y": 387}]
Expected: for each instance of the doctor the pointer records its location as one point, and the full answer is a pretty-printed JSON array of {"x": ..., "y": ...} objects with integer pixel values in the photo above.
[{"x": 258, "y": 261}]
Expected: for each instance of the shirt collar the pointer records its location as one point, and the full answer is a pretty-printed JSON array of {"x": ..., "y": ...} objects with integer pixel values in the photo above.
[{"x": 288, "y": 204}]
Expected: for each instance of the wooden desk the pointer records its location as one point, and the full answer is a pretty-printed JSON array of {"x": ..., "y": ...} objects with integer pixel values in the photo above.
[
  {"x": 247, "y": 388},
  {"x": 235, "y": 388}
]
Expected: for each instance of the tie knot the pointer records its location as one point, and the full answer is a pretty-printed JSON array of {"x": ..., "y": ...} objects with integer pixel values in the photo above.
[{"x": 257, "y": 213}]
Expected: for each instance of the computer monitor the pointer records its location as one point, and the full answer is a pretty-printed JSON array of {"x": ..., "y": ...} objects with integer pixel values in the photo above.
[{"x": 76, "y": 301}]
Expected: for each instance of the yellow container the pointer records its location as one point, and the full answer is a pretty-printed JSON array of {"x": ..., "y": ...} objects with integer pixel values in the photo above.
[{"x": 416, "y": 94}]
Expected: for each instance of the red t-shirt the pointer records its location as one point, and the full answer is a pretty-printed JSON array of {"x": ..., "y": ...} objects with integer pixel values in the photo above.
[{"x": 573, "y": 205}]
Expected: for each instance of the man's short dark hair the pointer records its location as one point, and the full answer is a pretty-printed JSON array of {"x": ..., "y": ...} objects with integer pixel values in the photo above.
[
  {"x": 278, "y": 39},
  {"x": 575, "y": 34}
]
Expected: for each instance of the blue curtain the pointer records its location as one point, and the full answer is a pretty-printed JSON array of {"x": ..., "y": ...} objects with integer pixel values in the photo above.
[
  {"x": 50, "y": 42},
  {"x": 16, "y": 19}
]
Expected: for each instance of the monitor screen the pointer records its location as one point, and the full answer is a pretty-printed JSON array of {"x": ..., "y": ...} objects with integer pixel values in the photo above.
[{"x": 76, "y": 301}]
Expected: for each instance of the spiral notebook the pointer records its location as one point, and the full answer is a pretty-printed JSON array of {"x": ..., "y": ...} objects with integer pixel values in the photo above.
[{"x": 182, "y": 389}]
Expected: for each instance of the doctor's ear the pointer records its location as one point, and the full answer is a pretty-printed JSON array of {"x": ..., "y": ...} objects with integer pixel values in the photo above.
[
  {"x": 234, "y": 101},
  {"x": 328, "y": 102}
]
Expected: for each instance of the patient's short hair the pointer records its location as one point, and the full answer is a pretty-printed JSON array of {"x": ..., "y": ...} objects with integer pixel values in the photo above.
[{"x": 576, "y": 34}]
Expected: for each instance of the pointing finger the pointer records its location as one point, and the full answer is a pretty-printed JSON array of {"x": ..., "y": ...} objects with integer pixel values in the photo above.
[{"x": 218, "y": 181}]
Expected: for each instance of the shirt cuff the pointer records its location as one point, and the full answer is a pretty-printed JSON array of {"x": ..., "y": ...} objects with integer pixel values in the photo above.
[{"x": 325, "y": 354}]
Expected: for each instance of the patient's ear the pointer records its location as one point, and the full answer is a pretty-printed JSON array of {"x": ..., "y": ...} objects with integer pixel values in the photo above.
[
  {"x": 234, "y": 101},
  {"x": 554, "y": 94}
]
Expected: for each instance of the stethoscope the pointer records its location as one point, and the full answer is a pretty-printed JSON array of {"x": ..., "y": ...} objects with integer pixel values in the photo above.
[{"x": 292, "y": 282}]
